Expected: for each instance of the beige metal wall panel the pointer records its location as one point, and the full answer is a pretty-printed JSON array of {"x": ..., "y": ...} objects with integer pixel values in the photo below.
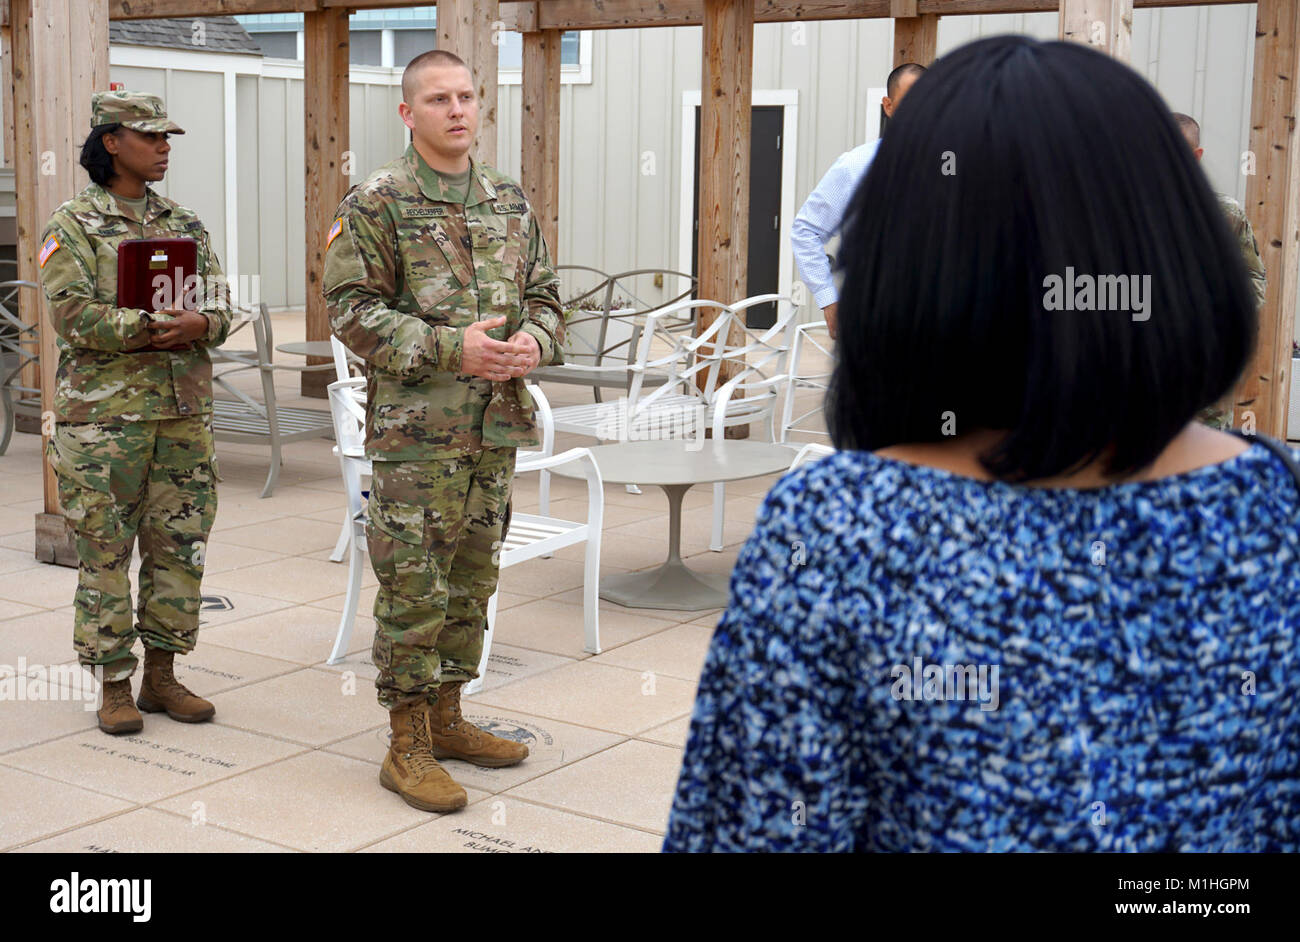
[{"x": 248, "y": 165}]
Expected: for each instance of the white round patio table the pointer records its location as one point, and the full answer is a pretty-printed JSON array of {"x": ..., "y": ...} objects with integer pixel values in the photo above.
[{"x": 677, "y": 466}]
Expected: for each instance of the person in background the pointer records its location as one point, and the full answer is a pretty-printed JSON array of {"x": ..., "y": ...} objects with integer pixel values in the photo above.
[
  {"x": 1220, "y": 415},
  {"x": 1035, "y": 606},
  {"x": 132, "y": 446},
  {"x": 820, "y": 216}
]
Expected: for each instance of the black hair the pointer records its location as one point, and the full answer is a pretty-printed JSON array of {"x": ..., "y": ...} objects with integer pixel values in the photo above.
[
  {"x": 891, "y": 87},
  {"x": 1013, "y": 160},
  {"x": 95, "y": 157}
]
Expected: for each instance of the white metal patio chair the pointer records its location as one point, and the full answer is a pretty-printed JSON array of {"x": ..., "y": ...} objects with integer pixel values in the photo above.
[
  {"x": 811, "y": 452},
  {"x": 812, "y": 341},
  {"x": 529, "y": 535},
  {"x": 345, "y": 360},
  {"x": 695, "y": 396},
  {"x": 244, "y": 419}
]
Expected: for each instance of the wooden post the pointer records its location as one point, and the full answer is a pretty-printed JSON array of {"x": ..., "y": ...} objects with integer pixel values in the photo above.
[
  {"x": 540, "y": 167},
  {"x": 325, "y": 94},
  {"x": 7, "y": 87},
  {"x": 915, "y": 37},
  {"x": 1106, "y": 24},
  {"x": 725, "y": 117},
  {"x": 472, "y": 29},
  {"x": 60, "y": 57},
  {"x": 1273, "y": 205}
]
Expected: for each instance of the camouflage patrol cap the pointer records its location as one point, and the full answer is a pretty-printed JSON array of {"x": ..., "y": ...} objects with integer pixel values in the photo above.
[{"x": 135, "y": 110}]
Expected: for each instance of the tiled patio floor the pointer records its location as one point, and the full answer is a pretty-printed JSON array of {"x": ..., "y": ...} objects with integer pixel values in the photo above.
[{"x": 291, "y": 761}]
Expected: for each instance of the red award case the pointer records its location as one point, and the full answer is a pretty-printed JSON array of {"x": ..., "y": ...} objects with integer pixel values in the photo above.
[
  {"x": 140, "y": 262},
  {"x": 140, "y": 265}
]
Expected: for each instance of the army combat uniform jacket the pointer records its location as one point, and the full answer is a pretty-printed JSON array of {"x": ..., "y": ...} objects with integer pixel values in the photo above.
[
  {"x": 406, "y": 271},
  {"x": 1221, "y": 414},
  {"x": 1245, "y": 236},
  {"x": 99, "y": 377}
]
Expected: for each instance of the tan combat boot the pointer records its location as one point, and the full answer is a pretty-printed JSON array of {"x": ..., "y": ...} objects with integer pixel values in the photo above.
[
  {"x": 117, "y": 714},
  {"x": 455, "y": 738},
  {"x": 410, "y": 768},
  {"x": 162, "y": 691}
]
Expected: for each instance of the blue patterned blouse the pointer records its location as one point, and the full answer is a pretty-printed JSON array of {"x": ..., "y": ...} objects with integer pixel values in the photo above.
[{"x": 918, "y": 661}]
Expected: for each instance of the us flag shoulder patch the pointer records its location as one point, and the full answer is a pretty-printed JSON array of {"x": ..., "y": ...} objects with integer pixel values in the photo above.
[
  {"x": 334, "y": 231},
  {"x": 48, "y": 249}
]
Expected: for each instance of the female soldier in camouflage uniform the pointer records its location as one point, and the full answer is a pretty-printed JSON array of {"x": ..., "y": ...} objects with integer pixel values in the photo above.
[{"x": 132, "y": 448}]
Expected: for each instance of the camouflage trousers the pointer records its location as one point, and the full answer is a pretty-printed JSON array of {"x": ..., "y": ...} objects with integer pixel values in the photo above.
[
  {"x": 434, "y": 533},
  {"x": 117, "y": 480}
]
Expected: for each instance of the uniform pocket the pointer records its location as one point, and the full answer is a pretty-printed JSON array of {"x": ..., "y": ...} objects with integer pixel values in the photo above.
[
  {"x": 88, "y": 504},
  {"x": 88, "y": 600},
  {"x": 395, "y": 541},
  {"x": 433, "y": 270}
]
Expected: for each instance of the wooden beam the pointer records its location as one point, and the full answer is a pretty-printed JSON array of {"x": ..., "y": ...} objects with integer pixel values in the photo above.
[
  {"x": 7, "y": 87},
  {"x": 65, "y": 44},
  {"x": 1273, "y": 205},
  {"x": 325, "y": 99},
  {"x": 465, "y": 27},
  {"x": 725, "y": 122},
  {"x": 916, "y": 39},
  {"x": 616, "y": 14},
  {"x": 1104, "y": 24},
  {"x": 540, "y": 167},
  {"x": 155, "y": 9}
]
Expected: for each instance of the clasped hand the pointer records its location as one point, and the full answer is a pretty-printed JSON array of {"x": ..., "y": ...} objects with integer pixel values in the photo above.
[
  {"x": 497, "y": 360},
  {"x": 182, "y": 329}
]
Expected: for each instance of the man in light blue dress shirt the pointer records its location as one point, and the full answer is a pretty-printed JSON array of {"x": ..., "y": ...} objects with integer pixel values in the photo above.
[{"x": 822, "y": 213}]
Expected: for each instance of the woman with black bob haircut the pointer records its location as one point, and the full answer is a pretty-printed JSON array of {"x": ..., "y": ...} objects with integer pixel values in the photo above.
[
  {"x": 95, "y": 158},
  {"x": 1031, "y": 604}
]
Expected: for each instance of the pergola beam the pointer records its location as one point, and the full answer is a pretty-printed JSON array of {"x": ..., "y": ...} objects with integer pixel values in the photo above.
[
  {"x": 540, "y": 119},
  {"x": 612, "y": 14},
  {"x": 325, "y": 118},
  {"x": 1273, "y": 206},
  {"x": 465, "y": 28},
  {"x": 60, "y": 56}
]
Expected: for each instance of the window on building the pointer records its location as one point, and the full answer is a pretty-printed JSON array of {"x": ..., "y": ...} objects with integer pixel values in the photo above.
[
  {"x": 366, "y": 47},
  {"x": 409, "y": 43},
  {"x": 281, "y": 45}
]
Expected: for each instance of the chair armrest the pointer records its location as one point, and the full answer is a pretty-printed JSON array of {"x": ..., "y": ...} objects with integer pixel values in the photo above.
[{"x": 547, "y": 418}]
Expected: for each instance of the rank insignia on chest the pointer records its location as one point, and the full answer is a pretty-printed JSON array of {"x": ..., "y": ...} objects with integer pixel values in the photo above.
[
  {"x": 334, "y": 231},
  {"x": 48, "y": 249},
  {"x": 423, "y": 212}
]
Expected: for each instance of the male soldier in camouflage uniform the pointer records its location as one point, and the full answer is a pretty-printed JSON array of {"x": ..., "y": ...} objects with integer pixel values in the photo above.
[
  {"x": 1220, "y": 414},
  {"x": 437, "y": 275},
  {"x": 132, "y": 447}
]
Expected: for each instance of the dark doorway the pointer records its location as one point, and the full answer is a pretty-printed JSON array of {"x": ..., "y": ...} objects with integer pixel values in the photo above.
[{"x": 764, "y": 262}]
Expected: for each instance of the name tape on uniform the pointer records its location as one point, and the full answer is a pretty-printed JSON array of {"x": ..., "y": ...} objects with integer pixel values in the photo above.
[
  {"x": 423, "y": 212},
  {"x": 509, "y": 207}
]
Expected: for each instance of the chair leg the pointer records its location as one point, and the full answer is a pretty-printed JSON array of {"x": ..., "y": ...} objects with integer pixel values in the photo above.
[
  {"x": 272, "y": 476},
  {"x": 341, "y": 547},
  {"x": 349, "y": 603},
  {"x": 631, "y": 488},
  {"x": 719, "y": 510},
  {"x": 591, "y": 597},
  {"x": 475, "y": 685},
  {"x": 544, "y": 492}
]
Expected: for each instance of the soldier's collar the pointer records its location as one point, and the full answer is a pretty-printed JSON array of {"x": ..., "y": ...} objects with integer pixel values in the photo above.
[
  {"x": 106, "y": 203},
  {"x": 480, "y": 187}
]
